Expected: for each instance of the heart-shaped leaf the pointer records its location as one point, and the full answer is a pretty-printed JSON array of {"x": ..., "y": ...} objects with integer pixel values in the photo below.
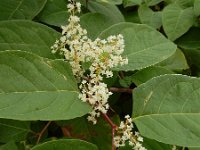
[
  {"x": 177, "y": 21},
  {"x": 149, "y": 17}
]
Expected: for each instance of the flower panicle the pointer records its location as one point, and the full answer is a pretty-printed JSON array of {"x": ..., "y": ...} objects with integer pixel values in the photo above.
[
  {"x": 101, "y": 55},
  {"x": 125, "y": 134}
]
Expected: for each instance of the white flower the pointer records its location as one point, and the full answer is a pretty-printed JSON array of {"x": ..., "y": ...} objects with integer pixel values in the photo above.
[
  {"x": 124, "y": 133},
  {"x": 78, "y": 6},
  {"x": 101, "y": 54}
]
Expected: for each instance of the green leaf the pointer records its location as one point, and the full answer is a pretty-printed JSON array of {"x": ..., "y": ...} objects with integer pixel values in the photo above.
[
  {"x": 27, "y": 36},
  {"x": 190, "y": 40},
  {"x": 132, "y": 17},
  {"x": 152, "y": 2},
  {"x": 182, "y": 3},
  {"x": 13, "y": 130},
  {"x": 115, "y": 2},
  {"x": 20, "y": 9},
  {"x": 166, "y": 109},
  {"x": 144, "y": 46},
  {"x": 95, "y": 23},
  {"x": 154, "y": 145},
  {"x": 197, "y": 7},
  {"x": 149, "y": 17},
  {"x": 33, "y": 88},
  {"x": 106, "y": 9},
  {"x": 177, "y": 62},
  {"x": 99, "y": 134},
  {"x": 9, "y": 146},
  {"x": 54, "y": 13},
  {"x": 194, "y": 148},
  {"x": 193, "y": 56},
  {"x": 65, "y": 144},
  {"x": 128, "y": 3},
  {"x": 177, "y": 21},
  {"x": 148, "y": 73}
]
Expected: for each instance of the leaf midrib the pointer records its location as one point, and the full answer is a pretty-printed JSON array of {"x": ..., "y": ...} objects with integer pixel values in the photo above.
[
  {"x": 15, "y": 9},
  {"x": 165, "y": 114},
  {"x": 42, "y": 91}
]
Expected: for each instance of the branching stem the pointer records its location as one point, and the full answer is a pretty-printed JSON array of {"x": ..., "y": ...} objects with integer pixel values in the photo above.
[
  {"x": 121, "y": 90},
  {"x": 42, "y": 132},
  {"x": 113, "y": 126}
]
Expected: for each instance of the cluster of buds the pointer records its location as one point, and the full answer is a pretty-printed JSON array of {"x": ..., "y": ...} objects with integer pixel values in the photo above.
[
  {"x": 98, "y": 57},
  {"x": 125, "y": 134}
]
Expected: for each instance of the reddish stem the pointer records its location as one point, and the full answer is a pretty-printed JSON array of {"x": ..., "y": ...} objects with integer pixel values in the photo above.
[
  {"x": 42, "y": 132},
  {"x": 66, "y": 132},
  {"x": 121, "y": 90},
  {"x": 113, "y": 126},
  {"x": 105, "y": 116}
]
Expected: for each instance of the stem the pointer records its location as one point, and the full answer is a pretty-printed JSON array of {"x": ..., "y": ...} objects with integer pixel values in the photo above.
[
  {"x": 121, "y": 75},
  {"x": 86, "y": 3},
  {"x": 113, "y": 126},
  {"x": 42, "y": 132},
  {"x": 105, "y": 116},
  {"x": 121, "y": 90},
  {"x": 66, "y": 132}
]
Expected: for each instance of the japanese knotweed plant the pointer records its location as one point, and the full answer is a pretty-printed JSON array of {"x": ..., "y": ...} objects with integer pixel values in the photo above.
[{"x": 91, "y": 61}]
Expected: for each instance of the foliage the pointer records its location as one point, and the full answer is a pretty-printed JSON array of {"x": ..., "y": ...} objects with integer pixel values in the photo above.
[{"x": 40, "y": 107}]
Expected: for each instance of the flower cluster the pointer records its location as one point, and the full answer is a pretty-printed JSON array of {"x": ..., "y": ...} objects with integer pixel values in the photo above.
[
  {"x": 90, "y": 60},
  {"x": 124, "y": 134}
]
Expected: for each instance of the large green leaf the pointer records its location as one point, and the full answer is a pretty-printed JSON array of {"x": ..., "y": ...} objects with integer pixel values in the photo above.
[
  {"x": 65, "y": 144},
  {"x": 166, "y": 109},
  {"x": 54, "y": 13},
  {"x": 177, "y": 21},
  {"x": 149, "y": 17},
  {"x": 33, "y": 88},
  {"x": 106, "y": 9},
  {"x": 27, "y": 36},
  {"x": 12, "y": 130},
  {"x": 144, "y": 46},
  {"x": 95, "y": 23},
  {"x": 20, "y": 9},
  {"x": 176, "y": 62},
  {"x": 190, "y": 40},
  {"x": 182, "y": 3},
  {"x": 194, "y": 148}
]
